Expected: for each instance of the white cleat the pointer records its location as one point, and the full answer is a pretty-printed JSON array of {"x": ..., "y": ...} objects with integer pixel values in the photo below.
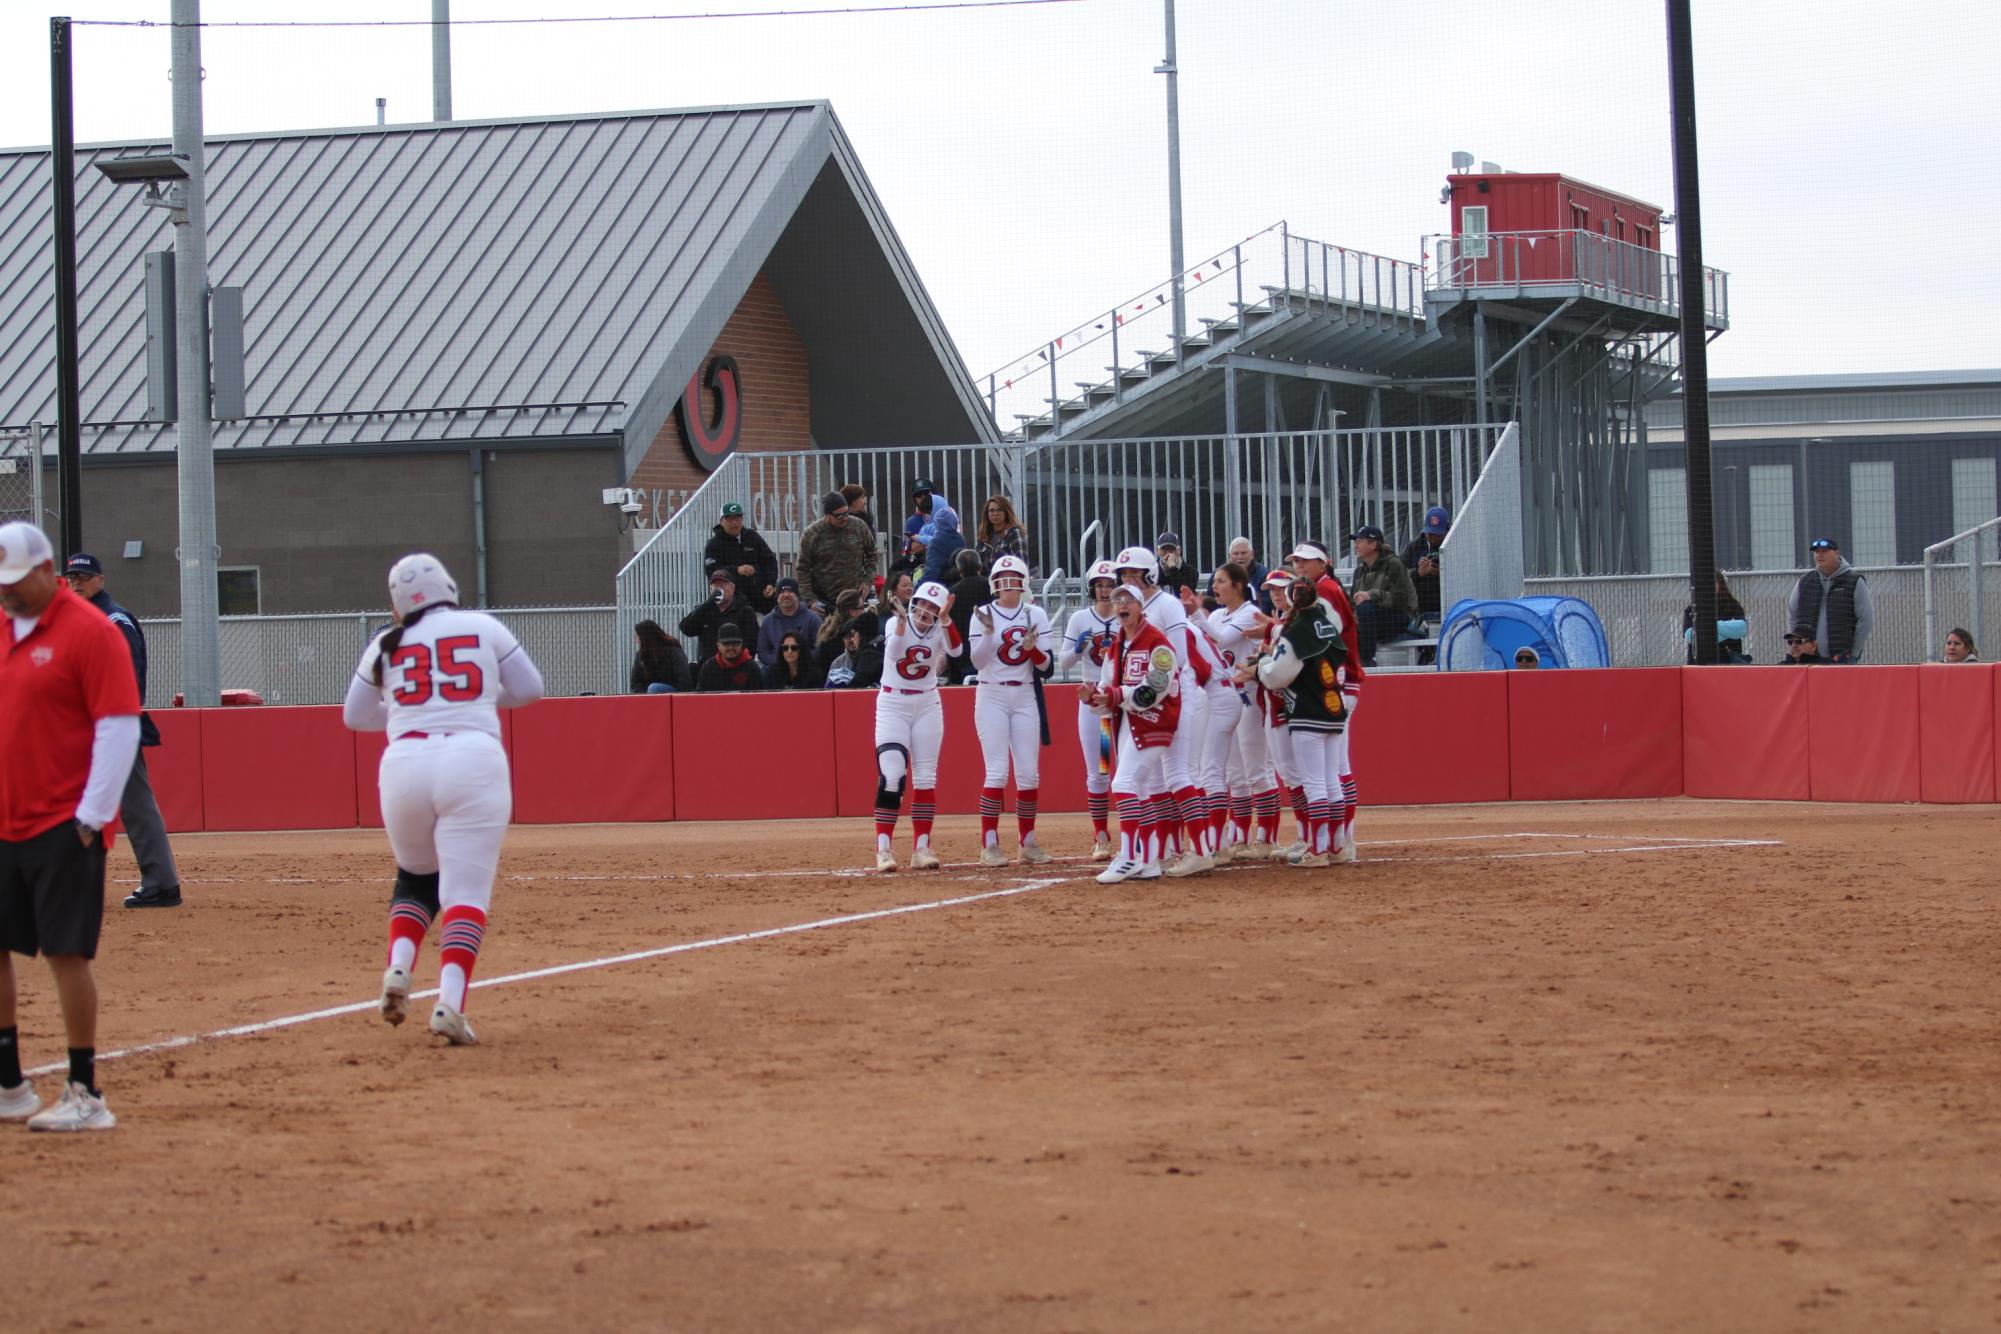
[
  {"x": 1193, "y": 863},
  {"x": 1150, "y": 871},
  {"x": 991, "y": 855},
  {"x": 395, "y": 996},
  {"x": 1125, "y": 868},
  {"x": 1254, "y": 852},
  {"x": 885, "y": 861},
  {"x": 1034, "y": 854},
  {"x": 1348, "y": 853},
  {"x": 20, "y": 1102},
  {"x": 1227, "y": 853},
  {"x": 450, "y": 1025},
  {"x": 1307, "y": 859},
  {"x": 1101, "y": 850},
  {"x": 1286, "y": 853},
  {"x": 923, "y": 859},
  {"x": 78, "y": 1109}
]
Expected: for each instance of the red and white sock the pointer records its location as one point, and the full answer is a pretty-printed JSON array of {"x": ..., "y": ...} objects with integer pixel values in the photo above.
[
  {"x": 1191, "y": 806},
  {"x": 407, "y": 924},
  {"x": 1299, "y": 813},
  {"x": 923, "y": 809},
  {"x": 885, "y": 825},
  {"x": 1024, "y": 811},
  {"x": 1100, "y": 805},
  {"x": 1132, "y": 827},
  {"x": 1322, "y": 816},
  {"x": 1350, "y": 795},
  {"x": 1160, "y": 814},
  {"x": 990, "y": 808},
  {"x": 1219, "y": 818},
  {"x": 460, "y": 930},
  {"x": 1241, "y": 811},
  {"x": 1265, "y": 806}
]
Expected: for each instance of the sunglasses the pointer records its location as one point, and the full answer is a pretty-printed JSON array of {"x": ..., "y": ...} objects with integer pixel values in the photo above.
[
  {"x": 788, "y": 648},
  {"x": 1525, "y": 657}
]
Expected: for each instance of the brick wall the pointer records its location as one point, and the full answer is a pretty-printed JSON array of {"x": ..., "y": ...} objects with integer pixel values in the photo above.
[{"x": 777, "y": 407}]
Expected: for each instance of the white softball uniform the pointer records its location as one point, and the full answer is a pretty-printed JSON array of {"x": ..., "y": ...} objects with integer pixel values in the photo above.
[
  {"x": 1249, "y": 760},
  {"x": 1004, "y": 711},
  {"x": 1089, "y": 639},
  {"x": 907, "y": 711},
  {"x": 444, "y": 783},
  {"x": 1165, "y": 613},
  {"x": 1221, "y": 710}
]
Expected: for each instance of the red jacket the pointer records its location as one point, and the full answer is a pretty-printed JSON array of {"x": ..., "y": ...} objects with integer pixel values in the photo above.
[{"x": 1125, "y": 668}]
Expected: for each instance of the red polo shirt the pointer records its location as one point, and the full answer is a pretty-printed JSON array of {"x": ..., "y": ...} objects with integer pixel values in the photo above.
[{"x": 71, "y": 670}]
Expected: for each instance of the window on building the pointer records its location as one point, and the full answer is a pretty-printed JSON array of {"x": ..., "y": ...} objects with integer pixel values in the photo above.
[
  {"x": 1667, "y": 519},
  {"x": 1580, "y": 218},
  {"x": 1774, "y": 544},
  {"x": 1973, "y": 503},
  {"x": 236, "y": 591},
  {"x": 1473, "y": 232},
  {"x": 1872, "y": 513}
]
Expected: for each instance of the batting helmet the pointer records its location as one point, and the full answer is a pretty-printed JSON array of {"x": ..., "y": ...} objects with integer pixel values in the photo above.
[
  {"x": 1009, "y": 572},
  {"x": 420, "y": 581},
  {"x": 1104, "y": 570},
  {"x": 927, "y": 604},
  {"x": 1142, "y": 560}
]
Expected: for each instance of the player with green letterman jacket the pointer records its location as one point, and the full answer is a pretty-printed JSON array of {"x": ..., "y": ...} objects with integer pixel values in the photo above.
[{"x": 1304, "y": 669}]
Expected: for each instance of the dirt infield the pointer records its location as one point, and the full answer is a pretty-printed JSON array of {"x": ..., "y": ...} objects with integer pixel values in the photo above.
[{"x": 1527, "y": 1068}]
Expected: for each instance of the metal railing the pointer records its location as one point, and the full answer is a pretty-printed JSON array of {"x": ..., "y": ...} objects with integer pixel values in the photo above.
[
  {"x": 1958, "y": 583},
  {"x": 1108, "y": 354},
  {"x": 1615, "y": 270}
]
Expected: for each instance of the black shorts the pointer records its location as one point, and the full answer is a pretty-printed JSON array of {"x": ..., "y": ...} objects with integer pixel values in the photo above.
[{"x": 52, "y": 893}]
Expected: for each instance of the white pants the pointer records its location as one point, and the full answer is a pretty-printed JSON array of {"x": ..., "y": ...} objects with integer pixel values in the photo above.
[
  {"x": 1221, "y": 713},
  {"x": 1250, "y": 766},
  {"x": 1278, "y": 741},
  {"x": 446, "y": 801},
  {"x": 917, "y": 724},
  {"x": 1141, "y": 773},
  {"x": 1009, "y": 726},
  {"x": 1178, "y": 765},
  {"x": 1319, "y": 756},
  {"x": 1090, "y": 739}
]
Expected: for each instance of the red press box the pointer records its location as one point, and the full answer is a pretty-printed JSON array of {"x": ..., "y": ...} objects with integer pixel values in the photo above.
[
  {"x": 175, "y": 768},
  {"x": 597, "y": 759},
  {"x": 1956, "y": 732},
  {"x": 1744, "y": 733},
  {"x": 277, "y": 768},
  {"x": 1426, "y": 739},
  {"x": 1591, "y": 735},
  {"x": 768, "y": 755},
  {"x": 1865, "y": 740}
]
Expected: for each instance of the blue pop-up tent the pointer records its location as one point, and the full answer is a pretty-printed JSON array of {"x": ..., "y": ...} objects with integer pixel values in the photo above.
[{"x": 1485, "y": 635}]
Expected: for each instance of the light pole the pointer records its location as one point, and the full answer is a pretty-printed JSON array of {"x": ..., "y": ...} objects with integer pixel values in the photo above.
[{"x": 1173, "y": 73}]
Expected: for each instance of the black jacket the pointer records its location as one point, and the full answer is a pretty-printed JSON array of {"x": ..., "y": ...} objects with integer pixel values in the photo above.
[
  {"x": 135, "y": 640},
  {"x": 968, "y": 594},
  {"x": 705, "y": 620},
  {"x": 673, "y": 670},
  {"x": 1427, "y": 585},
  {"x": 746, "y": 548},
  {"x": 1180, "y": 577},
  {"x": 810, "y": 676},
  {"x": 716, "y": 677}
]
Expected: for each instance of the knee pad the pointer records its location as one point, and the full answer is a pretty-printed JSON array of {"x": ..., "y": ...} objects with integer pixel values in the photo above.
[
  {"x": 418, "y": 889},
  {"x": 892, "y": 762}
]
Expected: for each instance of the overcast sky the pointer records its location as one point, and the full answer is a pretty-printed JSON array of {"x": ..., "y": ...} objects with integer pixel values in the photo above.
[{"x": 1022, "y": 152}]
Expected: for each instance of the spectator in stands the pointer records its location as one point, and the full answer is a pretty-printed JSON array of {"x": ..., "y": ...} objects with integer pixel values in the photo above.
[
  {"x": 1801, "y": 651},
  {"x": 1382, "y": 593},
  {"x": 1421, "y": 559},
  {"x": 740, "y": 549},
  {"x": 1831, "y": 603},
  {"x": 722, "y": 608},
  {"x": 1175, "y": 575},
  {"x": 969, "y": 591},
  {"x": 860, "y": 664},
  {"x": 790, "y": 617},
  {"x": 898, "y": 590},
  {"x": 857, "y": 498},
  {"x": 848, "y": 608},
  {"x": 942, "y": 544},
  {"x": 1731, "y": 626},
  {"x": 1959, "y": 646},
  {"x": 795, "y": 668},
  {"x": 911, "y": 563},
  {"x": 834, "y": 553},
  {"x": 660, "y": 667},
  {"x": 923, "y": 498},
  {"x": 1527, "y": 659},
  {"x": 732, "y": 668},
  {"x": 1000, "y": 532},
  {"x": 1243, "y": 553}
]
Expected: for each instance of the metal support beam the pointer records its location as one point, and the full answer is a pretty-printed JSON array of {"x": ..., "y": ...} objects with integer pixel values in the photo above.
[
  {"x": 69, "y": 418},
  {"x": 1694, "y": 346},
  {"x": 1528, "y": 337},
  {"x": 1172, "y": 70},
  {"x": 1302, "y": 370},
  {"x": 441, "y": 60},
  {"x": 478, "y": 461},
  {"x": 1480, "y": 361},
  {"x": 201, "y": 651}
]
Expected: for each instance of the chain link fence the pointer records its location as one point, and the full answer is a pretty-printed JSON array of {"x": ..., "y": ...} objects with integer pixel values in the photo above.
[{"x": 21, "y": 480}]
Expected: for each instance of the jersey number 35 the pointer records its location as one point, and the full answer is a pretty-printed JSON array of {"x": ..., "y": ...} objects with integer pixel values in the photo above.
[{"x": 451, "y": 678}]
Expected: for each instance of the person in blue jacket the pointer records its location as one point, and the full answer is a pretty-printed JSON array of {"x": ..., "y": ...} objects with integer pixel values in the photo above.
[{"x": 942, "y": 544}]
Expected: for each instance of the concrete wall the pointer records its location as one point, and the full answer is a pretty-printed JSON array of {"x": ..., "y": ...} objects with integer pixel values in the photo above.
[{"x": 323, "y": 531}]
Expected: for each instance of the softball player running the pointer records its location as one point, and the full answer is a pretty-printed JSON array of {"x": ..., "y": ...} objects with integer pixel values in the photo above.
[
  {"x": 1211, "y": 748},
  {"x": 1140, "y": 687},
  {"x": 1092, "y": 633},
  {"x": 435, "y": 681},
  {"x": 910, "y": 722},
  {"x": 1007, "y": 638},
  {"x": 1180, "y": 809},
  {"x": 1238, "y": 627}
]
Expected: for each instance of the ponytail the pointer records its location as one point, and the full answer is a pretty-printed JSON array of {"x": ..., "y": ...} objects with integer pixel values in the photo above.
[{"x": 392, "y": 638}]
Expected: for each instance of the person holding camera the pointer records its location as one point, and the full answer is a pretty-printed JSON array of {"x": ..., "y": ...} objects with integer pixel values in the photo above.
[{"x": 723, "y": 607}]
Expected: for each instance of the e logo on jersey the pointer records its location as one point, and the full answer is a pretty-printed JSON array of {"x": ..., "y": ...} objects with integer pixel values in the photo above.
[{"x": 710, "y": 442}]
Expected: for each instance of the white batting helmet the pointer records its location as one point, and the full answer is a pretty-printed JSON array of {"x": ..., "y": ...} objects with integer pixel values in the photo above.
[
  {"x": 420, "y": 581},
  {"x": 927, "y": 604},
  {"x": 1139, "y": 558},
  {"x": 1105, "y": 570},
  {"x": 1011, "y": 568}
]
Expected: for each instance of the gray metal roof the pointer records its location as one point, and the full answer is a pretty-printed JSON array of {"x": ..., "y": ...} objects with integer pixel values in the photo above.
[
  {"x": 1796, "y": 384},
  {"x": 476, "y": 280}
]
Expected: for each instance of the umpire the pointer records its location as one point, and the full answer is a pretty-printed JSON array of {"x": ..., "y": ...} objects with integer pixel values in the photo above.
[
  {"x": 69, "y": 728},
  {"x": 159, "y": 880}
]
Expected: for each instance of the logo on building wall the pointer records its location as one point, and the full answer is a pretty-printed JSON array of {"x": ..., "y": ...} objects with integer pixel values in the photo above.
[{"x": 710, "y": 442}]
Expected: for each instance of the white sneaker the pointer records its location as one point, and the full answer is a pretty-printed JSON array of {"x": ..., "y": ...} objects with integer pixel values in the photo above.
[
  {"x": 1309, "y": 859},
  {"x": 1101, "y": 850},
  {"x": 923, "y": 859},
  {"x": 1150, "y": 871},
  {"x": 1227, "y": 853},
  {"x": 20, "y": 1102},
  {"x": 395, "y": 996},
  {"x": 1192, "y": 864},
  {"x": 1034, "y": 854},
  {"x": 1292, "y": 849},
  {"x": 885, "y": 860},
  {"x": 450, "y": 1025},
  {"x": 1125, "y": 868},
  {"x": 991, "y": 855},
  {"x": 1348, "y": 853},
  {"x": 78, "y": 1109}
]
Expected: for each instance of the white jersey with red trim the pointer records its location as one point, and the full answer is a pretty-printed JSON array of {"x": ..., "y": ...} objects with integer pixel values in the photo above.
[
  {"x": 1203, "y": 636},
  {"x": 1164, "y": 613},
  {"x": 1088, "y": 639},
  {"x": 445, "y": 673},
  {"x": 1001, "y": 653},
  {"x": 913, "y": 659},
  {"x": 1236, "y": 632}
]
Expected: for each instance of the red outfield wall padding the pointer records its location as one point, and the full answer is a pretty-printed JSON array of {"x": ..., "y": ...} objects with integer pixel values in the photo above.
[
  {"x": 762, "y": 756},
  {"x": 277, "y": 768},
  {"x": 606, "y": 759},
  {"x": 1423, "y": 739},
  {"x": 1590, "y": 735},
  {"x": 961, "y": 764},
  {"x": 1865, "y": 733},
  {"x": 368, "y": 748},
  {"x": 1956, "y": 732},
  {"x": 175, "y": 768},
  {"x": 1744, "y": 733}
]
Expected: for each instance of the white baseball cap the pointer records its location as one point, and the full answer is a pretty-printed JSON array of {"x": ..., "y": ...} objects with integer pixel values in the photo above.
[
  {"x": 1307, "y": 551},
  {"x": 23, "y": 547}
]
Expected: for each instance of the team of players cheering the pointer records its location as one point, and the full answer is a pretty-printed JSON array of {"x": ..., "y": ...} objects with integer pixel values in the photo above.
[{"x": 1200, "y": 726}]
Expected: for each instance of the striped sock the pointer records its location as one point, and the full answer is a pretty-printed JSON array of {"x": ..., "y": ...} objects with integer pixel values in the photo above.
[
  {"x": 1241, "y": 810},
  {"x": 1219, "y": 817},
  {"x": 1299, "y": 813},
  {"x": 1321, "y": 816},
  {"x": 1132, "y": 827},
  {"x": 1100, "y": 806},
  {"x": 1024, "y": 810},
  {"x": 1266, "y": 806},
  {"x": 885, "y": 822},
  {"x": 923, "y": 809},
  {"x": 1190, "y": 806},
  {"x": 1350, "y": 795},
  {"x": 990, "y": 808},
  {"x": 1160, "y": 815},
  {"x": 460, "y": 930},
  {"x": 407, "y": 924}
]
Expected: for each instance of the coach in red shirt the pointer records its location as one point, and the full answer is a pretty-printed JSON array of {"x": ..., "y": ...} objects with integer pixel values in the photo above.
[{"x": 69, "y": 729}]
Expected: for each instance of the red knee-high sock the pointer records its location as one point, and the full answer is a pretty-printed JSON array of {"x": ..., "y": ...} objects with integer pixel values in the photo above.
[
  {"x": 1299, "y": 813},
  {"x": 885, "y": 816},
  {"x": 1100, "y": 806},
  {"x": 407, "y": 921},
  {"x": 1160, "y": 815},
  {"x": 1194, "y": 819},
  {"x": 1024, "y": 810},
  {"x": 923, "y": 808},
  {"x": 1219, "y": 817},
  {"x": 1132, "y": 828},
  {"x": 1321, "y": 838},
  {"x": 1351, "y": 795},
  {"x": 460, "y": 930},
  {"x": 990, "y": 807},
  {"x": 1266, "y": 806},
  {"x": 1241, "y": 811}
]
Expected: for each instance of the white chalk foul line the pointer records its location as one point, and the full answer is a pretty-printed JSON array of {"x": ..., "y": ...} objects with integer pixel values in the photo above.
[{"x": 558, "y": 970}]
